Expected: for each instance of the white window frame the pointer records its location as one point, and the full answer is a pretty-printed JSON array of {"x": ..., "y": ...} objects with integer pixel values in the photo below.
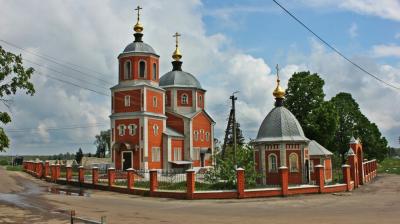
[
  {"x": 184, "y": 99},
  {"x": 132, "y": 129},
  {"x": 196, "y": 153},
  {"x": 127, "y": 70},
  {"x": 294, "y": 169},
  {"x": 202, "y": 135},
  {"x": 155, "y": 129},
  {"x": 272, "y": 169},
  {"x": 155, "y": 154},
  {"x": 154, "y": 101},
  {"x": 154, "y": 71},
  {"x": 121, "y": 130},
  {"x": 200, "y": 98},
  {"x": 178, "y": 154},
  {"x": 145, "y": 69},
  {"x": 196, "y": 135},
  {"x": 127, "y": 101},
  {"x": 207, "y": 136}
]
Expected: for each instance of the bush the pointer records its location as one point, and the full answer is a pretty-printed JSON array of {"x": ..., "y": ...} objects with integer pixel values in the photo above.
[{"x": 3, "y": 162}]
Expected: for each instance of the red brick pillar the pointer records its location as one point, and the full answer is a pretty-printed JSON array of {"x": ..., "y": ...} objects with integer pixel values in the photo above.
[
  {"x": 95, "y": 175},
  {"x": 46, "y": 169},
  {"x": 190, "y": 183},
  {"x": 53, "y": 172},
  {"x": 353, "y": 170},
  {"x": 375, "y": 168},
  {"x": 153, "y": 181},
  {"x": 68, "y": 174},
  {"x": 284, "y": 179},
  {"x": 240, "y": 182},
  {"x": 320, "y": 178},
  {"x": 81, "y": 174},
  {"x": 58, "y": 171},
  {"x": 40, "y": 170},
  {"x": 347, "y": 176},
  {"x": 130, "y": 178},
  {"x": 111, "y": 176}
]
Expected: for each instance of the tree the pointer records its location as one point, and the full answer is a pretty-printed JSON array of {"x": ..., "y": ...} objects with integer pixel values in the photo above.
[
  {"x": 79, "y": 156},
  {"x": 304, "y": 94},
  {"x": 13, "y": 77},
  {"x": 102, "y": 143}
]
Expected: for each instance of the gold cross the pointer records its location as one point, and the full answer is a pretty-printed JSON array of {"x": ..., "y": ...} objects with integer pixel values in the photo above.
[
  {"x": 138, "y": 8},
  {"x": 277, "y": 71},
  {"x": 176, "y": 35}
]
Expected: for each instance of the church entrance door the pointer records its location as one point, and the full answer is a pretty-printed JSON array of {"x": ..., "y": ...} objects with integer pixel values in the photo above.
[{"x": 126, "y": 160}]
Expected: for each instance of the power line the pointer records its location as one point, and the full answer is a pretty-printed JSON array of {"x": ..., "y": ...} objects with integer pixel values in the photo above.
[
  {"x": 335, "y": 50},
  {"x": 54, "y": 60}
]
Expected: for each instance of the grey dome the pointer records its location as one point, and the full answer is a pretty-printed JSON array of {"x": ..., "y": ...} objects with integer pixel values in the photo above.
[
  {"x": 280, "y": 125},
  {"x": 139, "y": 47},
  {"x": 179, "y": 79}
]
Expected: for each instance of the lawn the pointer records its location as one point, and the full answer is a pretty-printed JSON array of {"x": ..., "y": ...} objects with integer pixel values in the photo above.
[{"x": 389, "y": 166}]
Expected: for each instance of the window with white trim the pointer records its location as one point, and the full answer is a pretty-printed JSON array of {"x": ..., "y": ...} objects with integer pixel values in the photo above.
[
  {"x": 200, "y": 99},
  {"x": 184, "y": 99},
  {"x": 128, "y": 70},
  {"x": 196, "y": 154},
  {"x": 132, "y": 129},
  {"x": 154, "y": 101},
  {"x": 154, "y": 71},
  {"x": 293, "y": 162},
  {"x": 127, "y": 100},
  {"x": 272, "y": 163},
  {"x": 201, "y": 135},
  {"x": 121, "y": 130},
  {"x": 155, "y": 154},
  {"x": 207, "y": 136},
  {"x": 177, "y": 154},
  {"x": 312, "y": 166},
  {"x": 155, "y": 129},
  {"x": 142, "y": 69},
  {"x": 196, "y": 135}
]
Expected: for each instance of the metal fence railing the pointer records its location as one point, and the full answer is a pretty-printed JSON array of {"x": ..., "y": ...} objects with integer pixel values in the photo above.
[
  {"x": 142, "y": 179},
  {"x": 172, "y": 180}
]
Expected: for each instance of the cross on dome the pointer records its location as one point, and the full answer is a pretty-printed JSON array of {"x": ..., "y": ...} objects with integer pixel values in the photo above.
[
  {"x": 138, "y": 27},
  {"x": 279, "y": 92},
  {"x": 177, "y": 54}
]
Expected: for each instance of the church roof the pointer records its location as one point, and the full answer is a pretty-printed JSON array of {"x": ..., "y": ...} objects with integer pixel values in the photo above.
[
  {"x": 179, "y": 79},
  {"x": 139, "y": 47},
  {"x": 171, "y": 132},
  {"x": 316, "y": 149},
  {"x": 280, "y": 125}
]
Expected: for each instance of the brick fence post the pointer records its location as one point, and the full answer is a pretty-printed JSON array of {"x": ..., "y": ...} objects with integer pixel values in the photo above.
[
  {"x": 320, "y": 178},
  {"x": 68, "y": 174},
  {"x": 81, "y": 174},
  {"x": 111, "y": 176},
  {"x": 40, "y": 170},
  {"x": 284, "y": 180},
  {"x": 353, "y": 170},
  {"x": 130, "y": 178},
  {"x": 347, "y": 176},
  {"x": 153, "y": 181},
  {"x": 190, "y": 183},
  {"x": 240, "y": 182},
  {"x": 58, "y": 171},
  {"x": 53, "y": 172},
  {"x": 46, "y": 169},
  {"x": 95, "y": 175}
]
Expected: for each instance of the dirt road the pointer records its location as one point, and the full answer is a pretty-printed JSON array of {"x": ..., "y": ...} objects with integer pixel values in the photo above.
[{"x": 378, "y": 202}]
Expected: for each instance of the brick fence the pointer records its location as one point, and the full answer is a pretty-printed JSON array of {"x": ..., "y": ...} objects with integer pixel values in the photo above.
[{"x": 107, "y": 181}]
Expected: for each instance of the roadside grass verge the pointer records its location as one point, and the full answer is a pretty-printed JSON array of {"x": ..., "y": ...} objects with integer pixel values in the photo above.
[
  {"x": 14, "y": 168},
  {"x": 389, "y": 166}
]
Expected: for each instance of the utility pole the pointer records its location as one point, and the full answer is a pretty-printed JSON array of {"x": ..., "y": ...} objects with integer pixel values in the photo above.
[{"x": 234, "y": 98}]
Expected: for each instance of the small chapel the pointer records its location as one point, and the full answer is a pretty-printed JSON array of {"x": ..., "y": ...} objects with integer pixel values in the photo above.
[
  {"x": 281, "y": 142},
  {"x": 158, "y": 122}
]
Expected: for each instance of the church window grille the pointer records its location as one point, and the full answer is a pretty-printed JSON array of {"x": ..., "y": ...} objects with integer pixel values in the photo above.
[{"x": 184, "y": 99}]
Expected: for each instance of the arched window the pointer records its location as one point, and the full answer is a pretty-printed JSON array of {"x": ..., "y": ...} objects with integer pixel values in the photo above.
[
  {"x": 132, "y": 129},
  {"x": 196, "y": 135},
  {"x": 155, "y": 129},
  {"x": 200, "y": 99},
  {"x": 184, "y": 99},
  {"x": 142, "y": 69},
  {"x": 154, "y": 71},
  {"x": 293, "y": 162},
  {"x": 207, "y": 136},
  {"x": 121, "y": 130},
  {"x": 272, "y": 163},
  {"x": 128, "y": 70},
  {"x": 154, "y": 101}
]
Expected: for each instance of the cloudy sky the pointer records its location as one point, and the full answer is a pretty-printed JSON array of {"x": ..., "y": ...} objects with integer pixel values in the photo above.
[{"x": 227, "y": 45}]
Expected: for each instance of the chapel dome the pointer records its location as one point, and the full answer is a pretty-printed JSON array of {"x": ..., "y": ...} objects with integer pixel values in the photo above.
[
  {"x": 177, "y": 78},
  {"x": 280, "y": 125},
  {"x": 139, "y": 47}
]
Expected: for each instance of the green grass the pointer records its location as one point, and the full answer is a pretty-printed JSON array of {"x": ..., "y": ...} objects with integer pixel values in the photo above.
[
  {"x": 14, "y": 168},
  {"x": 389, "y": 166}
]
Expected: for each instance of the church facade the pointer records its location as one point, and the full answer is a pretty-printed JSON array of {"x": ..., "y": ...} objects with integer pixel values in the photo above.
[{"x": 158, "y": 122}]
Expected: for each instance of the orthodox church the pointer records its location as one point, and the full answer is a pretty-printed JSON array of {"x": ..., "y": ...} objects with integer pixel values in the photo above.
[
  {"x": 158, "y": 122},
  {"x": 281, "y": 142}
]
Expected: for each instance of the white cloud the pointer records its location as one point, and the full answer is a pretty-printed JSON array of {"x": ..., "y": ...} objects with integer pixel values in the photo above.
[
  {"x": 353, "y": 30},
  {"x": 383, "y": 50}
]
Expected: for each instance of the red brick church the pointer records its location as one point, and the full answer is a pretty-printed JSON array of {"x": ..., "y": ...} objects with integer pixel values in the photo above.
[{"x": 158, "y": 122}]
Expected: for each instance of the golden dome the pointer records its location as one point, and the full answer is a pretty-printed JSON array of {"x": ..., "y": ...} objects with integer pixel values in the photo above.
[
  {"x": 138, "y": 27},
  {"x": 177, "y": 54},
  {"x": 279, "y": 92}
]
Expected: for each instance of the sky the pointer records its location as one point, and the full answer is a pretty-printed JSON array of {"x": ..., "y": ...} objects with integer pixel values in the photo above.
[{"x": 228, "y": 45}]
